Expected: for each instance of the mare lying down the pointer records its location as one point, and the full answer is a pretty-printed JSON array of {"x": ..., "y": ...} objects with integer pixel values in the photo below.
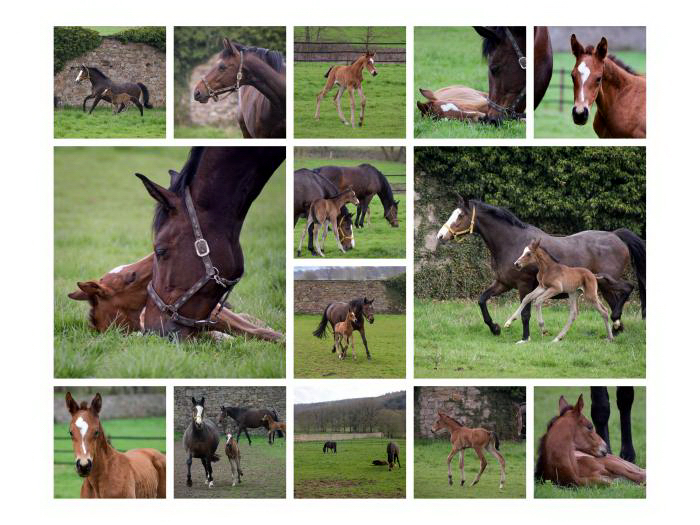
[
  {"x": 119, "y": 298},
  {"x": 454, "y": 102}
]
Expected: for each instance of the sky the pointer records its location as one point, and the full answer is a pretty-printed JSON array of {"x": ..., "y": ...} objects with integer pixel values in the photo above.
[{"x": 313, "y": 394}]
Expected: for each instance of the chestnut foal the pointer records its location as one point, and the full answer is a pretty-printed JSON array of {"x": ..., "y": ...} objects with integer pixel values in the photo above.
[
  {"x": 233, "y": 453},
  {"x": 462, "y": 438},
  {"x": 553, "y": 279},
  {"x": 324, "y": 212},
  {"x": 272, "y": 427},
  {"x": 344, "y": 329}
]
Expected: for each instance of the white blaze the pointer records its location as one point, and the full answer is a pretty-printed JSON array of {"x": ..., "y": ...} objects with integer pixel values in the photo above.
[
  {"x": 585, "y": 72},
  {"x": 198, "y": 417},
  {"x": 228, "y": 438},
  {"x": 371, "y": 61},
  {"x": 83, "y": 427},
  {"x": 450, "y": 222},
  {"x": 80, "y": 74}
]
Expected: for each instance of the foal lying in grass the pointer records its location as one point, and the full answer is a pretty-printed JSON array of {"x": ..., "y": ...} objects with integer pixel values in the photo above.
[{"x": 554, "y": 279}]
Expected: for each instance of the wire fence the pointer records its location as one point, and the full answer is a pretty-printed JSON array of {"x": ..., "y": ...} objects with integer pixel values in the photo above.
[
  {"x": 560, "y": 102},
  {"x": 385, "y": 52},
  {"x": 111, "y": 438}
]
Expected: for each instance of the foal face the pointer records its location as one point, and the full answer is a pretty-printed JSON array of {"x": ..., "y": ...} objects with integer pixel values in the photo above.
[
  {"x": 222, "y": 75},
  {"x": 84, "y": 430},
  {"x": 439, "y": 424},
  {"x": 369, "y": 64},
  {"x": 587, "y": 76},
  {"x": 528, "y": 256},
  {"x": 584, "y": 436}
]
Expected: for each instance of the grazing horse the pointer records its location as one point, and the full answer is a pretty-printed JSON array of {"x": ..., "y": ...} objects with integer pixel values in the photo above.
[
  {"x": 600, "y": 414},
  {"x": 201, "y": 439},
  {"x": 233, "y": 453},
  {"x": 571, "y": 453},
  {"x": 341, "y": 330},
  {"x": 544, "y": 63},
  {"x": 330, "y": 445},
  {"x": 336, "y": 312},
  {"x": 197, "y": 227},
  {"x": 121, "y": 100},
  {"x": 504, "y": 47},
  {"x": 392, "y": 455},
  {"x": 100, "y": 82},
  {"x": 273, "y": 427},
  {"x": 259, "y": 77},
  {"x": 506, "y": 237},
  {"x": 366, "y": 181},
  {"x": 463, "y": 438},
  {"x": 324, "y": 212},
  {"x": 108, "y": 473},
  {"x": 247, "y": 418},
  {"x": 553, "y": 279},
  {"x": 350, "y": 78},
  {"x": 618, "y": 92}
]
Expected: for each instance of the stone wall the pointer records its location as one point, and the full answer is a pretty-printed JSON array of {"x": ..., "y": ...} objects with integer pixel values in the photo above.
[
  {"x": 628, "y": 38},
  {"x": 311, "y": 297},
  {"x": 130, "y": 62},
  {"x": 214, "y": 396},
  {"x": 492, "y": 408},
  {"x": 219, "y": 114}
]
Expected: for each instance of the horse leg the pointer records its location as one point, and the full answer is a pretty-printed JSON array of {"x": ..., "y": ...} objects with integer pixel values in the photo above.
[
  {"x": 496, "y": 288},
  {"x": 604, "y": 314},
  {"x": 333, "y": 222},
  {"x": 94, "y": 103},
  {"x": 573, "y": 311},
  {"x": 339, "y": 107},
  {"x": 137, "y": 104},
  {"x": 240, "y": 429},
  {"x": 86, "y": 99},
  {"x": 189, "y": 470},
  {"x": 206, "y": 470},
  {"x": 364, "y": 341},
  {"x": 250, "y": 443},
  {"x": 352, "y": 342},
  {"x": 309, "y": 223},
  {"x": 317, "y": 235},
  {"x": 233, "y": 473},
  {"x": 600, "y": 412},
  {"x": 363, "y": 101},
  {"x": 461, "y": 465},
  {"x": 351, "y": 94},
  {"x": 319, "y": 97},
  {"x": 526, "y": 300},
  {"x": 449, "y": 464},
  {"x": 625, "y": 398},
  {"x": 501, "y": 463},
  {"x": 482, "y": 459}
]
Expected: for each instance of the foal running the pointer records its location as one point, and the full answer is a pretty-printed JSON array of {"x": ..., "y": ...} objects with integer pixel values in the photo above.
[
  {"x": 344, "y": 329},
  {"x": 350, "y": 78},
  {"x": 119, "y": 99},
  {"x": 462, "y": 438},
  {"x": 324, "y": 212},
  {"x": 553, "y": 279}
]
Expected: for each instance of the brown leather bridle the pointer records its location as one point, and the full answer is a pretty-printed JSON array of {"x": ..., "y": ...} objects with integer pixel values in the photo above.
[
  {"x": 509, "y": 111},
  {"x": 214, "y": 93}
]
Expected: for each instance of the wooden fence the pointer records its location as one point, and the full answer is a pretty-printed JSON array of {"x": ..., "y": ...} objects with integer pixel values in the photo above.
[{"x": 348, "y": 52}]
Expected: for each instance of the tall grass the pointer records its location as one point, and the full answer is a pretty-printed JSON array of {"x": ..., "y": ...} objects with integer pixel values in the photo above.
[{"x": 102, "y": 124}]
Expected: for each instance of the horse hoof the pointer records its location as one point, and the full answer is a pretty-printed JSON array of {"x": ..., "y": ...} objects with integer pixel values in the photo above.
[
  {"x": 189, "y": 482},
  {"x": 507, "y": 324},
  {"x": 369, "y": 357},
  {"x": 450, "y": 481},
  {"x": 298, "y": 253},
  {"x": 556, "y": 340},
  {"x": 523, "y": 341},
  {"x": 496, "y": 329},
  {"x": 211, "y": 484}
]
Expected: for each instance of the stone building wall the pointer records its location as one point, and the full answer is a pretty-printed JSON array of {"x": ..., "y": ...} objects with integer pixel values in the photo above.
[{"x": 311, "y": 297}]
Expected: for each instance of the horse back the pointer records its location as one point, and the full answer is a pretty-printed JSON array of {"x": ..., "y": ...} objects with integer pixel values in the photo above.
[{"x": 148, "y": 466}]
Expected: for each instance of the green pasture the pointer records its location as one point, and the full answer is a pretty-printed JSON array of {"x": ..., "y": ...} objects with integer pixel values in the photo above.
[
  {"x": 207, "y": 132},
  {"x": 382, "y": 36},
  {"x": 430, "y": 467},
  {"x": 386, "y": 339},
  {"x": 552, "y": 123},
  {"x": 108, "y": 30},
  {"x": 375, "y": 240},
  {"x": 446, "y": 56},
  {"x": 73, "y": 123},
  {"x": 385, "y": 113},
  {"x": 66, "y": 481},
  {"x": 451, "y": 340},
  {"x": 547, "y": 406},
  {"x": 349, "y": 473},
  {"x": 102, "y": 219}
]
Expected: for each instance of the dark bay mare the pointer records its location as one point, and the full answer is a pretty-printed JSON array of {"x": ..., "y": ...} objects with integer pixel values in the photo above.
[
  {"x": 544, "y": 63},
  {"x": 247, "y": 418},
  {"x": 600, "y": 414},
  {"x": 504, "y": 48},
  {"x": 366, "y": 181},
  {"x": 309, "y": 186},
  {"x": 330, "y": 445},
  {"x": 201, "y": 439},
  {"x": 338, "y": 311},
  {"x": 259, "y": 77},
  {"x": 197, "y": 226},
  {"x": 101, "y": 82},
  {"x": 506, "y": 237}
]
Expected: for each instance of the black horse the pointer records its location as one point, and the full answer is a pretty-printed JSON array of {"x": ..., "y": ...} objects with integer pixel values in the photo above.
[
  {"x": 392, "y": 454},
  {"x": 201, "y": 439},
  {"x": 600, "y": 414},
  {"x": 310, "y": 186},
  {"x": 338, "y": 311},
  {"x": 247, "y": 418},
  {"x": 100, "y": 82},
  {"x": 329, "y": 445},
  {"x": 506, "y": 236}
]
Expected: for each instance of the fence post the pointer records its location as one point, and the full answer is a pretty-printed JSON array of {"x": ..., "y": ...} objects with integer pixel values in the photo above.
[{"x": 561, "y": 90}]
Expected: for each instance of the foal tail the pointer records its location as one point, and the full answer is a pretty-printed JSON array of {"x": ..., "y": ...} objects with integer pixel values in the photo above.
[
  {"x": 638, "y": 253},
  {"x": 320, "y": 331},
  {"x": 144, "y": 91},
  {"x": 328, "y": 72},
  {"x": 496, "y": 441}
]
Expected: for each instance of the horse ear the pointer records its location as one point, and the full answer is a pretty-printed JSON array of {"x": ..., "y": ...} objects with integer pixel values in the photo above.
[
  {"x": 173, "y": 175},
  {"x": 71, "y": 404},
  {"x": 96, "y": 404},
  {"x": 194, "y": 402},
  {"x": 563, "y": 404},
  {"x": 487, "y": 33},
  {"x": 396, "y": 203},
  {"x": 201, "y": 402},
  {"x": 601, "y": 50},
  {"x": 230, "y": 47},
  {"x": 91, "y": 288},
  {"x": 579, "y": 404},
  {"x": 536, "y": 243},
  {"x": 79, "y": 295},
  {"x": 165, "y": 197},
  {"x": 576, "y": 47}
]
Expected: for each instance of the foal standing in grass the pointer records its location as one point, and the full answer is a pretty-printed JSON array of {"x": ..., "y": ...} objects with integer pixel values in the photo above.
[
  {"x": 233, "y": 453},
  {"x": 272, "y": 427},
  {"x": 344, "y": 329},
  {"x": 350, "y": 78},
  {"x": 324, "y": 212},
  {"x": 553, "y": 279}
]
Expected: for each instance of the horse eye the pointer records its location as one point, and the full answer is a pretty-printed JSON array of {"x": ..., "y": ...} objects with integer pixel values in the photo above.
[
  {"x": 160, "y": 252},
  {"x": 598, "y": 80},
  {"x": 494, "y": 70},
  {"x": 70, "y": 433},
  {"x": 97, "y": 433},
  {"x": 222, "y": 67}
]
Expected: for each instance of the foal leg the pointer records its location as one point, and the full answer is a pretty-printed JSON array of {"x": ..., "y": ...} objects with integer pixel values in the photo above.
[
  {"x": 461, "y": 465},
  {"x": 333, "y": 222},
  {"x": 339, "y": 107},
  {"x": 189, "y": 470},
  {"x": 319, "y": 97},
  {"x": 482, "y": 467},
  {"x": 351, "y": 93},
  {"x": 604, "y": 314},
  {"x": 501, "y": 463},
  {"x": 317, "y": 235},
  {"x": 449, "y": 466},
  {"x": 352, "y": 342},
  {"x": 309, "y": 223},
  {"x": 529, "y": 297},
  {"x": 233, "y": 472},
  {"x": 363, "y": 101},
  {"x": 573, "y": 312}
]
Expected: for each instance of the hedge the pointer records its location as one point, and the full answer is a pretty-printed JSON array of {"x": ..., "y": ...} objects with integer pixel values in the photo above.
[
  {"x": 562, "y": 190},
  {"x": 153, "y": 36},
  {"x": 71, "y": 42}
]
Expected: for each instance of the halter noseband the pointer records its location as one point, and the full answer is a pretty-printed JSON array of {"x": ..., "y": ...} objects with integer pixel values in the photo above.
[
  {"x": 468, "y": 230},
  {"x": 341, "y": 232},
  {"x": 214, "y": 93},
  {"x": 201, "y": 248},
  {"x": 510, "y": 110}
]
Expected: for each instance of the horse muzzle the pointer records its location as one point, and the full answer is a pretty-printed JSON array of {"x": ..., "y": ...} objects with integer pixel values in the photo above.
[
  {"x": 83, "y": 469},
  {"x": 371, "y": 320},
  {"x": 201, "y": 96},
  {"x": 518, "y": 265},
  {"x": 580, "y": 115},
  {"x": 375, "y": 73}
]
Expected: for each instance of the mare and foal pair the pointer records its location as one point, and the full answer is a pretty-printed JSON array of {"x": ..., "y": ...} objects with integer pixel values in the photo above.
[{"x": 323, "y": 212}]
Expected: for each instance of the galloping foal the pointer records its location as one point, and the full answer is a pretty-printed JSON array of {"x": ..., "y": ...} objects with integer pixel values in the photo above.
[
  {"x": 272, "y": 427},
  {"x": 324, "y": 212},
  {"x": 462, "y": 438},
  {"x": 121, "y": 98},
  {"x": 345, "y": 329},
  {"x": 350, "y": 78},
  {"x": 554, "y": 279},
  {"x": 233, "y": 453}
]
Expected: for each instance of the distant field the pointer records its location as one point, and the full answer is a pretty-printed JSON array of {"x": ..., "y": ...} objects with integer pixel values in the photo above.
[
  {"x": 430, "y": 467},
  {"x": 207, "y": 132},
  {"x": 549, "y": 121},
  {"x": 355, "y": 34},
  {"x": 546, "y": 407},
  {"x": 102, "y": 124},
  {"x": 349, "y": 473},
  {"x": 108, "y": 30}
]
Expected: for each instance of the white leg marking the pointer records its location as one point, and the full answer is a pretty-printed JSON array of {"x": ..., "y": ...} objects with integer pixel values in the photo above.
[
  {"x": 449, "y": 106},
  {"x": 585, "y": 72},
  {"x": 83, "y": 426}
]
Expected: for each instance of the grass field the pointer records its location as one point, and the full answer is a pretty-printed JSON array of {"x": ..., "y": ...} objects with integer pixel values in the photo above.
[
  {"x": 376, "y": 240},
  {"x": 430, "y": 467},
  {"x": 108, "y": 30},
  {"x": 546, "y": 407},
  {"x": 349, "y": 473},
  {"x": 67, "y": 483},
  {"x": 386, "y": 339},
  {"x": 382, "y": 36},
  {"x": 385, "y": 113},
  {"x": 207, "y": 132},
  {"x": 549, "y": 121},
  {"x": 73, "y": 123},
  {"x": 263, "y": 468},
  {"x": 446, "y": 56},
  {"x": 102, "y": 218},
  {"x": 451, "y": 340}
]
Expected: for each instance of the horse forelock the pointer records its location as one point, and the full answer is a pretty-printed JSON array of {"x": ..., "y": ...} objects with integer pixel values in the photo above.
[{"x": 179, "y": 183}]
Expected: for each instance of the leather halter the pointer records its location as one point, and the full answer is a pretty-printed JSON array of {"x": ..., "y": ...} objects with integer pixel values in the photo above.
[
  {"x": 341, "y": 233},
  {"x": 509, "y": 111},
  {"x": 211, "y": 273},
  {"x": 468, "y": 230},
  {"x": 214, "y": 93}
]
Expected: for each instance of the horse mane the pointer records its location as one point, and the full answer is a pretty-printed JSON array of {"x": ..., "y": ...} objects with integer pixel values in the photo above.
[
  {"x": 95, "y": 70},
  {"x": 179, "y": 183},
  {"x": 339, "y": 193},
  {"x": 356, "y": 306},
  {"x": 498, "y": 213},
  {"x": 274, "y": 59},
  {"x": 446, "y": 416},
  {"x": 615, "y": 60},
  {"x": 386, "y": 191}
]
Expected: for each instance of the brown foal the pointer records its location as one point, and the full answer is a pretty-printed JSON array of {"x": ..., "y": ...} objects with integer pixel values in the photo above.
[
  {"x": 272, "y": 427},
  {"x": 344, "y": 329},
  {"x": 553, "y": 279},
  {"x": 462, "y": 438},
  {"x": 324, "y": 212},
  {"x": 350, "y": 78},
  {"x": 233, "y": 453},
  {"x": 572, "y": 454}
]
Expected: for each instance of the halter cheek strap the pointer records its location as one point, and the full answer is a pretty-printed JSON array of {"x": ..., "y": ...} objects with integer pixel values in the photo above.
[
  {"x": 214, "y": 93},
  {"x": 341, "y": 232},
  {"x": 469, "y": 230},
  {"x": 509, "y": 111}
]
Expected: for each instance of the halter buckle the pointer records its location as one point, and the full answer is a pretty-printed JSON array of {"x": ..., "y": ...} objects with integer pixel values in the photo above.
[
  {"x": 201, "y": 247},
  {"x": 522, "y": 61}
]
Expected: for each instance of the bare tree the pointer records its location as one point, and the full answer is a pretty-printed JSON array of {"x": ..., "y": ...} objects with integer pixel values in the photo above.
[{"x": 369, "y": 36}]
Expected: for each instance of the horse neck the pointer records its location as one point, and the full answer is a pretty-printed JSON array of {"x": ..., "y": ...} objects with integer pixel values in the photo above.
[
  {"x": 492, "y": 231},
  {"x": 96, "y": 79},
  {"x": 261, "y": 76},
  {"x": 615, "y": 78},
  {"x": 356, "y": 67},
  {"x": 386, "y": 195},
  {"x": 342, "y": 199},
  {"x": 104, "y": 452},
  {"x": 544, "y": 261}
]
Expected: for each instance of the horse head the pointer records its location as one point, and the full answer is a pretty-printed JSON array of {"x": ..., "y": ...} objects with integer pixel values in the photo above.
[
  {"x": 85, "y": 431},
  {"x": 529, "y": 255},
  {"x": 460, "y": 222},
  {"x": 587, "y": 76},
  {"x": 82, "y": 74},
  {"x": 440, "y": 423},
  {"x": 391, "y": 214},
  {"x": 345, "y": 228},
  {"x": 369, "y": 63},
  {"x": 226, "y": 73},
  {"x": 198, "y": 412},
  {"x": 584, "y": 437},
  {"x": 368, "y": 309}
]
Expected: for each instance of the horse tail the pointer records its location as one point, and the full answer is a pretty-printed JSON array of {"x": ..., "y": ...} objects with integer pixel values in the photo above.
[
  {"x": 144, "y": 90},
  {"x": 214, "y": 458},
  {"x": 638, "y": 254},
  {"x": 320, "y": 331},
  {"x": 328, "y": 72},
  {"x": 496, "y": 441}
]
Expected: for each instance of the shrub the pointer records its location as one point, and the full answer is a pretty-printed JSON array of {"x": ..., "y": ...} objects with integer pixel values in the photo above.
[
  {"x": 71, "y": 42},
  {"x": 153, "y": 36}
]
